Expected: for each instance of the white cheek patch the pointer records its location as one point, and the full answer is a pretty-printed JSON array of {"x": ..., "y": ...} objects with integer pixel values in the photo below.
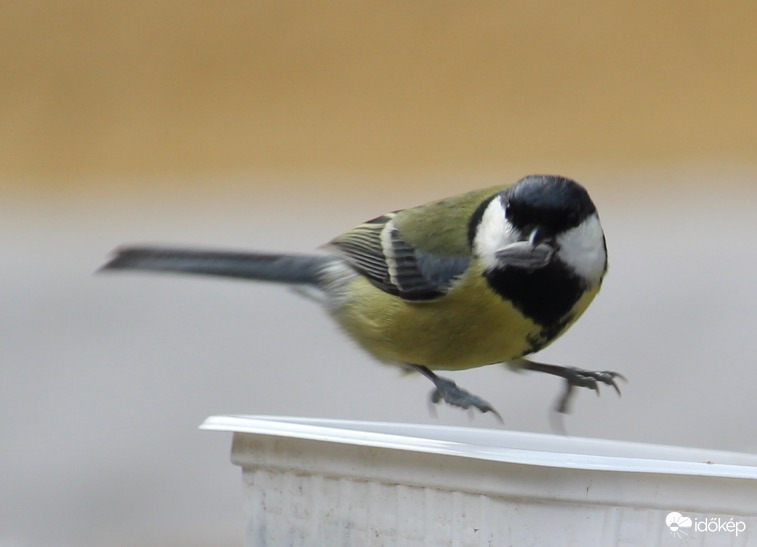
[
  {"x": 494, "y": 232},
  {"x": 583, "y": 250}
]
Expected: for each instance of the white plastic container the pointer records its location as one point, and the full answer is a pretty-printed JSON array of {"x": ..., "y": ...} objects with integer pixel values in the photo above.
[{"x": 343, "y": 483}]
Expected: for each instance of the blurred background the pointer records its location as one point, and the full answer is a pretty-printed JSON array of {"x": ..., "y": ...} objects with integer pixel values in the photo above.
[{"x": 277, "y": 125}]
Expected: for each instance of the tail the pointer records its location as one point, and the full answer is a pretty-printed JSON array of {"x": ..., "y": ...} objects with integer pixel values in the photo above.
[{"x": 282, "y": 268}]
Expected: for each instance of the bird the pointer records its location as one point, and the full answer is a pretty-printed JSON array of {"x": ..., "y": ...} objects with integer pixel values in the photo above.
[{"x": 485, "y": 277}]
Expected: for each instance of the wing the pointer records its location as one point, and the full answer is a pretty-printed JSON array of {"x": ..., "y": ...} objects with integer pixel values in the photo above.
[{"x": 377, "y": 251}]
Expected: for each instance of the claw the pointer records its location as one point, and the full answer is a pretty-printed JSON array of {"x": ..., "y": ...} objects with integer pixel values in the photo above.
[
  {"x": 446, "y": 390},
  {"x": 562, "y": 402},
  {"x": 574, "y": 377}
]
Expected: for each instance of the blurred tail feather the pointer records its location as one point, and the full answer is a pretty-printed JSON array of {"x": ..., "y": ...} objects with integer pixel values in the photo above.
[{"x": 282, "y": 268}]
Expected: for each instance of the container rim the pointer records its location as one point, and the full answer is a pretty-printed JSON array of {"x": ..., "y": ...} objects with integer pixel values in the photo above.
[{"x": 535, "y": 449}]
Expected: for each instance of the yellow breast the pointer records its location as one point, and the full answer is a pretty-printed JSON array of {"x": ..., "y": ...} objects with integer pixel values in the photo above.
[{"x": 469, "y": 327}]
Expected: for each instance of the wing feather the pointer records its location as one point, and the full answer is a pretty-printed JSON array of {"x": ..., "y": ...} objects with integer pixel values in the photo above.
[{"x": 377, "y": 250}]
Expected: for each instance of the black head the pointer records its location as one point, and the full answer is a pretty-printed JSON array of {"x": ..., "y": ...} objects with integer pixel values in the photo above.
[{"x": 551, "y": 202}]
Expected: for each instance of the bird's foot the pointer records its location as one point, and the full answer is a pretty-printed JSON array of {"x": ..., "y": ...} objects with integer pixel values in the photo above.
[
  {"x": 576, "y": 377},
  {"x": 448, "y": 391},
  {"x": 592, "y": 378}
]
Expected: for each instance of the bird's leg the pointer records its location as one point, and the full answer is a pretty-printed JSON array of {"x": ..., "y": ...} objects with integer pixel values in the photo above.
[
  {"x": 574, "y": 377},
  {"x": 446, "y": 390}
]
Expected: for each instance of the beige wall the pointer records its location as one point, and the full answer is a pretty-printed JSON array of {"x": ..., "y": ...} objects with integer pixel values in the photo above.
[{"x": 92, "y": 89}]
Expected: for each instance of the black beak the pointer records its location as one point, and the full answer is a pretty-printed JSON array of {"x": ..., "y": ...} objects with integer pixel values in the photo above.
[{"x": 538, "y": 236}]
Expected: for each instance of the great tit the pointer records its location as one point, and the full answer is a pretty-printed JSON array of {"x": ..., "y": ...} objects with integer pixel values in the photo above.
[{"x": 485, "y": 277}]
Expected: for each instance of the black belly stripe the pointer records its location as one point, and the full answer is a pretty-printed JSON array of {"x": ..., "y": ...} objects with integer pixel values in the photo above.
[{"x": 546, "y": 295}]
